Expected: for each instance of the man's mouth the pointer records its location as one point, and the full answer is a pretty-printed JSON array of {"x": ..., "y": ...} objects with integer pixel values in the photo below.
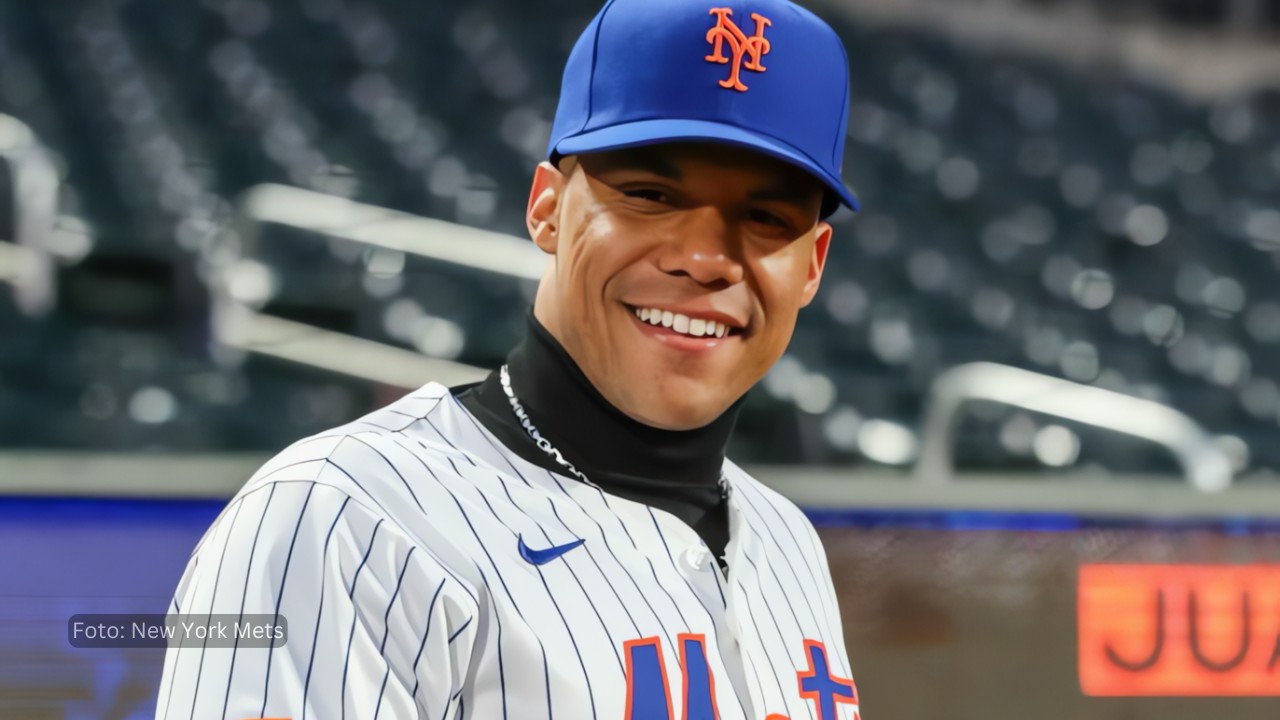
[{"x": 687, "y": 325}]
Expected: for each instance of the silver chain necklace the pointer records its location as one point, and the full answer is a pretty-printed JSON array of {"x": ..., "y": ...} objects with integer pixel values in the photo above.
[{"x": 546, "y": 446}]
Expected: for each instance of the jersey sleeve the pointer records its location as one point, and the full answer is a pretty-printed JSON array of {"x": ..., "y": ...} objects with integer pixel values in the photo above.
[{"x": 377, "y": 625}]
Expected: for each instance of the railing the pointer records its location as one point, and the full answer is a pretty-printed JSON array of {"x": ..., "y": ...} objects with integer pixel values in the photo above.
[
  {"x": 239, "y": 324},
  {"x": 1205, "y": 465},
  {"x": 219, "y": 476},
  {"x": 25, "y": 262}
]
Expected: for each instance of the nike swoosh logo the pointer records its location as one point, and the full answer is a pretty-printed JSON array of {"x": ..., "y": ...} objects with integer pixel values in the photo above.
[{"x": 542, "y": 557}]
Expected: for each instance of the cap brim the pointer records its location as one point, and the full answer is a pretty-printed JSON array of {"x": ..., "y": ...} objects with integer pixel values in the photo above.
[{"x": 652, "y": 132}]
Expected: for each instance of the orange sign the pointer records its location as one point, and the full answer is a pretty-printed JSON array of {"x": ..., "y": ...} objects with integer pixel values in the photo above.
[{"x": 1179, "y": 630}]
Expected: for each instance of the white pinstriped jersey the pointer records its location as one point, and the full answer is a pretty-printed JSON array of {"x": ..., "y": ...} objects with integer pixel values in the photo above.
[{"x": 393, "y": 546}]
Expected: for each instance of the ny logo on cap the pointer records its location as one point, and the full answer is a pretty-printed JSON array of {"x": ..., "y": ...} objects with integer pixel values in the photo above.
[{"x": 740, "y": 44}]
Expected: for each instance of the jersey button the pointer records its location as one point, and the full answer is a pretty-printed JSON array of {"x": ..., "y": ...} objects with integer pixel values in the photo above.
[{"x": 697, "y": 558}]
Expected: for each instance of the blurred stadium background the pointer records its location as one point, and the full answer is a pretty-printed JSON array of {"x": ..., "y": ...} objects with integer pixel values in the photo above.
[{"x": 1051, "y": 341}]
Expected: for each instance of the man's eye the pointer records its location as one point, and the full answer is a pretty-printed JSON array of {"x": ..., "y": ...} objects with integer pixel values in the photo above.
[
  {"x": 649, "y": 194},
  {"x": 767, "y": 218}
]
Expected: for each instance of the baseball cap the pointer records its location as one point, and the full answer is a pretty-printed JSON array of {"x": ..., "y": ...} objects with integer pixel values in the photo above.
[{"x": 767, "y": 75}]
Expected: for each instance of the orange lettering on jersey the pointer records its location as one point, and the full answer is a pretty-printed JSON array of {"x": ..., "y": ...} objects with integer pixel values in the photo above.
[{"x": 752, "y": 47}]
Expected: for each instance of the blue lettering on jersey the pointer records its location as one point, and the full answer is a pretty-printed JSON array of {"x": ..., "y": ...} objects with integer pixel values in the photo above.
[
  {"x": 699, "y": 686},
  {"x": 649, "y": 696},
  {"x": 821, "y": 686}
]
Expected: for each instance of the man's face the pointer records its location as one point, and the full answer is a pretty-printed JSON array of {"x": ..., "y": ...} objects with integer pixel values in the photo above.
[{"x": 683, "y": 234}]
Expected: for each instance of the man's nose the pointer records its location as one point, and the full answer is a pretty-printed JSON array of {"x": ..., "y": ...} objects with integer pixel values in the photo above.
[{"x": 706, "y": 249}]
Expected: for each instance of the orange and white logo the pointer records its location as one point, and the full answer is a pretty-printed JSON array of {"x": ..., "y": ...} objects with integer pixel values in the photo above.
[{"x": 746, "y": 50}]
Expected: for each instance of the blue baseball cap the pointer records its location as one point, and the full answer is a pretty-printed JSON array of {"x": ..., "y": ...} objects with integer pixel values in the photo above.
[{"x": 766, "y": 75}]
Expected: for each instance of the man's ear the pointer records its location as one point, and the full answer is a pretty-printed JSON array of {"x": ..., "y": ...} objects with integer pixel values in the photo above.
[
  {"x": 542, "y": 214},
  {"x": 817, "y": 261}
]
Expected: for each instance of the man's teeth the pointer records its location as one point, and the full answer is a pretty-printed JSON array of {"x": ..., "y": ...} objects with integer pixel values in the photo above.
[{"x": 683, "y": 324}]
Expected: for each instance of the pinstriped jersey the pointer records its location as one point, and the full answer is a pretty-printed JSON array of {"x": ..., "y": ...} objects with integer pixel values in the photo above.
[{"x": 426, "y": 571}]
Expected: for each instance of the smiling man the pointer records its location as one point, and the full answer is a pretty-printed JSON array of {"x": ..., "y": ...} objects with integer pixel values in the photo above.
[
  {"x": 708, "y": 249},
  {"x": 567, "y": 539}
]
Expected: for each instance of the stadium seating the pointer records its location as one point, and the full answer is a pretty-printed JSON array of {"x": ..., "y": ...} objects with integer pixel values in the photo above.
[{"x": 1088, "y": 227}]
